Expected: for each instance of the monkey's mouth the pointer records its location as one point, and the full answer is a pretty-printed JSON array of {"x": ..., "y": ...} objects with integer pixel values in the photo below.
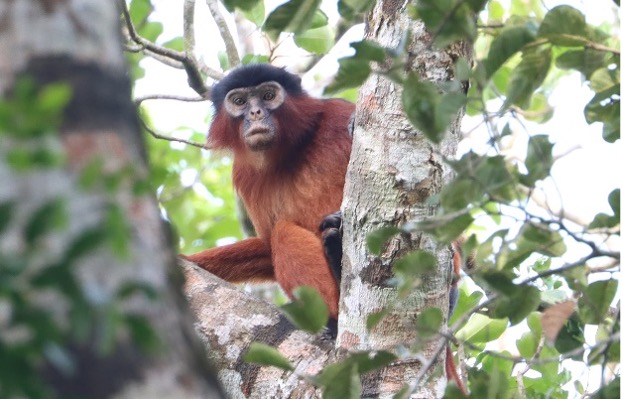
[{"x": 259, "y": 139}]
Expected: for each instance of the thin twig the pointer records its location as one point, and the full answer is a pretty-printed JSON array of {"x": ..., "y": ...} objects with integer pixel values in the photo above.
[
  {"x": 228, "y": 40},
  {"x": 169, "y": 138},
  {"x": 139, "y": 100}
]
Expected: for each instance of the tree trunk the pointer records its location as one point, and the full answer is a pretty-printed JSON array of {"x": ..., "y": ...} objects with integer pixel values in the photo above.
[
  {"x": 127, "y": 284},
  {"x": 393, "y": 170}
]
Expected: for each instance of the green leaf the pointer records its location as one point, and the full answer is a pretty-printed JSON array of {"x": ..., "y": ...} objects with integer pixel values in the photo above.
[
  {"x": 117, "y": 231},
  {"x": 375, "y": 317},
  {"x": 294, "y": 16},
  {"x": 307, "y": 311},
  {"x": 377, "y": 239},
  {"x": 429, "y": 322},
  {"x": 143, "y": 333},
  {"x": 459, "y": 194},
  {"x": 596, "y": 299},
  {"x": 350, "y": 9},
  {"x": 528, "y": 343},
  {"x": 451, "y": 20},
  {"x": 91, "y": 173},
  {"x": 245, "y": 5},
  {"x": 352, "y": 73},
  {"x": 495, "y": 11},
  {"x": 256, "y": 13},
  {"x": 564, "y": 26},
  {"x": 528, "y": 76},
  {"x": 254, "y": 59},
  {"x": 50, "y": 216},
  {"x": 614, "y": 200},
  {"x": 151, "y": 31},
  {"x": 586, "y": 61},
  {"x": 359, "y": 5},
  {"x": 548, "y": 242},
  {"x": 445, "y": 229},
  {"x": 482, "y": 329},
  {"x": 539, "y": 159},
  {"x": 466, "y": 302},
  {"x": 509, "y": 41},
  {"x": 517, "y": 304},
  {"x": 263, "y": 354},
  {"x": 53, "y": 98},
  {"x": 429, "y": 110},
  {"x": 606, "y": 107},
  {"x": 341, "y": 382},
  {"x": 176, "y": 43},
  {"x": 131, "y": 288},
  {"x": 83, "y": 244},
  {"x": 604, "y": 79},
  {"x": 571, "y": 337},
  {"x": 490, "y": 383},
  {"x": 7, "y": 209},
  {"x": 320, "y": 20},
  {"x": 368, "y": 50},
  {"x": 317, "y": 40},
  {"x": 140, "y": 10},
  {"x": 416, "y": 264},
  {"x": 611, "y": 391},
  {"x": 602, "y": 220},
  {"x": 369, "y": 361}
]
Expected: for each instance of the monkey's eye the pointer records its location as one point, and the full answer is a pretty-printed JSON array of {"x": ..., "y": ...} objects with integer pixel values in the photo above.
[
  {"x": 269, "y": 96},
  {"x": 239, "y": 101}
]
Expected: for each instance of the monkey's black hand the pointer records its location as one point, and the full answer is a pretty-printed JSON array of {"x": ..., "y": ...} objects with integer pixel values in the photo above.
[{"x": 331, "y": 229}]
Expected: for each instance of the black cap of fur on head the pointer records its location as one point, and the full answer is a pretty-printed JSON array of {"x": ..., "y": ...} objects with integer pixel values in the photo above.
[{"x": 251, "y": 75}]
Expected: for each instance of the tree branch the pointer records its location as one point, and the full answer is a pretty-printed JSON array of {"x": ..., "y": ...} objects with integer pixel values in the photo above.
[
  {"x": 169, "y": 138},
  {"x": 229, "y": 320},
  {"x": 228, "y": 39},
  {"x": 195, "y": 81},
  {"x": 189, "y": 27}
]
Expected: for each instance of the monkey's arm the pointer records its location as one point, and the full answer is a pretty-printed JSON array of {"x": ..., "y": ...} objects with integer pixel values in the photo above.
[
  {"x": 331, "y": 233},
  {"x": 247, "y": 260}
]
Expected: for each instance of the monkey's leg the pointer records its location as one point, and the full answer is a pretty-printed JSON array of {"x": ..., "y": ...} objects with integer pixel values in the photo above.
[
  {"x": 298, "y": 258},
  {"x": 246, "y": 260}
]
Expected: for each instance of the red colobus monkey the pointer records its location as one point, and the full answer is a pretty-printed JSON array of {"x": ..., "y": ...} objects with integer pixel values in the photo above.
[{"x": 290, "y": 153}]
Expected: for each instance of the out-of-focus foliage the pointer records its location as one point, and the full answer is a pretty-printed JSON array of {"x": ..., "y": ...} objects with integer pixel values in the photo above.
[{"x": 46, "y": 314}]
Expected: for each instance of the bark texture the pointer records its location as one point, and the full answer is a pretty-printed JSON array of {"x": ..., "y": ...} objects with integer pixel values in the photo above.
[
  {"x": 77, "y": 42},
  {"x": 229, "y": 320},
  {"x": 393, "y": 170}
]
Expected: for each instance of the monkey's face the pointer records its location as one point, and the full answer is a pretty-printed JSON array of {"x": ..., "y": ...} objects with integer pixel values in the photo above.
[{"x": 254, "y": 106}]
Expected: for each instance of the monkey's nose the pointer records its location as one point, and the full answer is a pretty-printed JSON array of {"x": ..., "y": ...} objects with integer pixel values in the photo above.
[{"x": 256, "y": 113}]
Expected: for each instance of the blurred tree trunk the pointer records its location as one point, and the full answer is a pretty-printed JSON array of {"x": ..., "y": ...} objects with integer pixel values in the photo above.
[
  {"x": 392, "y": 172},
  {"x": 131, "y": 278}
]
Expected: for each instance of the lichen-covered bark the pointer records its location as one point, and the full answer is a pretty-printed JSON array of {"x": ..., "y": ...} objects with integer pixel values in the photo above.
[
  {"x": 229, "y": 320},
  {"x": 77, "y": 43},
  {"x": 392, "y": 172}
]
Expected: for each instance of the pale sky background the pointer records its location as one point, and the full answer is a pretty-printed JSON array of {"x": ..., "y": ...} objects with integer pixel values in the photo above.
[{"x": 582, "y": 179}]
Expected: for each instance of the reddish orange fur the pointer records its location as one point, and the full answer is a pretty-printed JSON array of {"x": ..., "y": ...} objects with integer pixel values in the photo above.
[
  {"x": 287, "y": 191},
  {"x": 457, "y": 263}
]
